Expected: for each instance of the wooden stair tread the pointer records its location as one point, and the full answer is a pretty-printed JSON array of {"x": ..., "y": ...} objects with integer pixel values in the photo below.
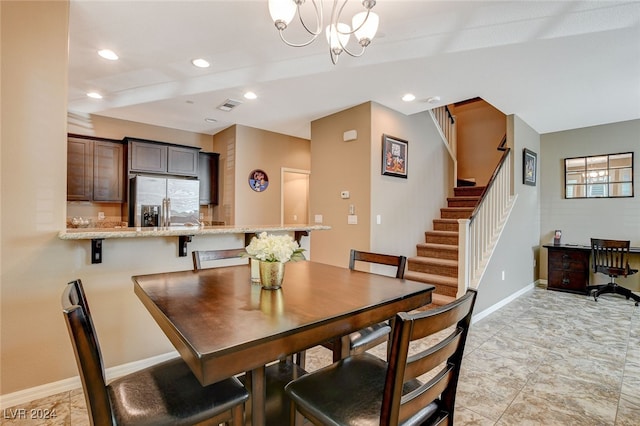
[
  {"x": 442, "y": 232},
  {"x": 445, "y": 220},
  {"x": 438, "y": 246},
  {"x": 464, "y": 198},
  {"x": 440, "y": 300},
  {"x": 431, "y": 278},
  {"x": 433, "y": 260}
]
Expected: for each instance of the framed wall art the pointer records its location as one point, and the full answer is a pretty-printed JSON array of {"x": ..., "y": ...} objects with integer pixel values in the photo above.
[
  {"x": 258, "y": 180},
  {"x": 394, "y": 156},
  {"x": 529, "y": 167}
]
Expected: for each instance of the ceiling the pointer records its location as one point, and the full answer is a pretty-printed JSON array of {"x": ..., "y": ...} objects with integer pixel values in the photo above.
[{"x": 558, "y": 65}]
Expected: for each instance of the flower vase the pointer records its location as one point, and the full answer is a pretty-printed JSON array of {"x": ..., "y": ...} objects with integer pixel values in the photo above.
[{"x": 271, "y": 275}]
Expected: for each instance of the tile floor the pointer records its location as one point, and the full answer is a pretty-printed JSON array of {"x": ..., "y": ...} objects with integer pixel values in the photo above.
[{"x": 547, "y": 358}]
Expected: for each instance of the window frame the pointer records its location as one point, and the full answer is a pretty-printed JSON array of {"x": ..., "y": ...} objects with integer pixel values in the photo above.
[{"x": 587, "y": 186}]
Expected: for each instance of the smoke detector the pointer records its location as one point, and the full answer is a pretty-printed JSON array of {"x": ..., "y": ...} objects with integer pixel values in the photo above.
[{"x": 228, "y": 105}]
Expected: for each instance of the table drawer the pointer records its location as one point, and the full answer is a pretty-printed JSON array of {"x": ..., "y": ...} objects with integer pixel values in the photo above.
[
  {"x": 568, "y": 260},
  {"x": 574, "y": 281}
]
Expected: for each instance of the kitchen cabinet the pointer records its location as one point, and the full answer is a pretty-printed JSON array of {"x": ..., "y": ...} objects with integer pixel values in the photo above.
[
  {"x": 161, "y": 158},
  {"x": 79, "y": 169},
  {"x": 568, "y": 268},
  {"x": 95, "y": 169},
  {"x": 208, "y": 177},
  {"x": 108, "y": 172}
]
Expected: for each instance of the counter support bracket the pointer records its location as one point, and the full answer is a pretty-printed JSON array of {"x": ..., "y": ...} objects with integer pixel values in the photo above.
[
  {"x": 182, "y": 244},
  {"x": 96, "y": 250}
]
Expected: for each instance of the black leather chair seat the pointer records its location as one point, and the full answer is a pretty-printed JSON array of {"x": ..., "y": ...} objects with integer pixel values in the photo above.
[
  {"x": 169, "y": 394},
  {"x": 354, "y": 396},
  {"x": 362, "y": 340}
]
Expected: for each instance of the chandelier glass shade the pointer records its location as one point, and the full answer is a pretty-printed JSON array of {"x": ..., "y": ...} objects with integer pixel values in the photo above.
[{"x": 364, "y": 25}]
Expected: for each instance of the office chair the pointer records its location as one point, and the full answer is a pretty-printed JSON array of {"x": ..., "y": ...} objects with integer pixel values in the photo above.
[
  {"x": 611, "y": 257},
  {"x": 362, "y": 389}
]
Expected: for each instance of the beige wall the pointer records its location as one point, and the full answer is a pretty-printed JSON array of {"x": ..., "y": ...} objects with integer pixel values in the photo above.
[
  {"x": 480, "y": 128},
  {"x": 35, "y": 264},
  {"x": 406, "y": 206},
  {"x": 258, "y": 149},
  {"x": 581, "y": 219},
  {"x": 341, "y": 166}
]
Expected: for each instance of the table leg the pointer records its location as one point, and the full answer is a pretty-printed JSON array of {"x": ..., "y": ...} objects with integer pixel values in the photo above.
[{"x": 258, "y": 390}]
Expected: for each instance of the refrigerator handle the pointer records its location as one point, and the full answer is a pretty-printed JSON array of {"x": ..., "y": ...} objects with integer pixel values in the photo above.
[
  {"x": 168, "y": 212},
  {"x": 163, "y": 222}
]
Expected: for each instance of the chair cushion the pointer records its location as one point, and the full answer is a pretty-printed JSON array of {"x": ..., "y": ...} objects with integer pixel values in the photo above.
[
  {"x": 368, "y": 335},
  {"x": 169, "y": 394},
  {"x": 348, "y": 392}
]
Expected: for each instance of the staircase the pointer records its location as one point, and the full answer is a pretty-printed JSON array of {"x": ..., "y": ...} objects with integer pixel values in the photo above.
[{"x": 436, "y": 262}]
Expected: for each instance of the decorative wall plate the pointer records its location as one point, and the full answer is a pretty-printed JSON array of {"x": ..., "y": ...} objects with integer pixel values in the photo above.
[{"x": 258, "y": 180}]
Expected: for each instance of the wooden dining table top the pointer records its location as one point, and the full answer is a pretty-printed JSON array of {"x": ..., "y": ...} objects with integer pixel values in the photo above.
[
  {"x": 216, "y": 312},
  {"x": 222, "y": 325}
]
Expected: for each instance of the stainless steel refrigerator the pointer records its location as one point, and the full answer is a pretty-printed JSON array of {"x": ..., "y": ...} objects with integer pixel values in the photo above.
[{"x": 157, "y": 201}]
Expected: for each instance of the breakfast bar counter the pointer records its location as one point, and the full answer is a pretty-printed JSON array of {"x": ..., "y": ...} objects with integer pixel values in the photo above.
[{"x": 183, "y": 233}]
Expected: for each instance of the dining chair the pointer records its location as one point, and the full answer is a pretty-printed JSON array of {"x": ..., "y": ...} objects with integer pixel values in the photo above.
[
  {"x": 368, "y": 337},
  {"x": 611, "y": 257},
  {"x": 363, "y": 389},
  {"x": 200, "y": 256},
  {"x": 164, "y": 394}
]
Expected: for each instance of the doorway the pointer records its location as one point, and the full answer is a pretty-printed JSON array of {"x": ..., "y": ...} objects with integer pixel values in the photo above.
[{"x": 294, "y": 199}]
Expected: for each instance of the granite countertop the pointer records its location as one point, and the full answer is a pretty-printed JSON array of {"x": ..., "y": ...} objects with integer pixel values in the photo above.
[{"x": 141, "y": 232}]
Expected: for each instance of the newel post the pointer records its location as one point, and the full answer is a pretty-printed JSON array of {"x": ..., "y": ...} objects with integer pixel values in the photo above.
[{"x": 464, "y": 256}]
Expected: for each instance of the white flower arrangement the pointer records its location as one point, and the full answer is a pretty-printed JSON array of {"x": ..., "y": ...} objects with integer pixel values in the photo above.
[{"x": 274, "y": 248}]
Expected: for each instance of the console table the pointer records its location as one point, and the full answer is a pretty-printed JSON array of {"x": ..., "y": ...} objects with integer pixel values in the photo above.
[{"x": 568, "y": 267}]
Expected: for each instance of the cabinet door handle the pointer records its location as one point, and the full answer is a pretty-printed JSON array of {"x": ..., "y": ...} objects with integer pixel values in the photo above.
[{"x": 565, "y": 281}]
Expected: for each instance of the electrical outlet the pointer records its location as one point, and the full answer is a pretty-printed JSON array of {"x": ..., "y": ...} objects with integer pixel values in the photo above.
[
  {"x": 317, "y": 218},
  {"x": 352, "y": 219},
  {"x": 100, "y": 215}
]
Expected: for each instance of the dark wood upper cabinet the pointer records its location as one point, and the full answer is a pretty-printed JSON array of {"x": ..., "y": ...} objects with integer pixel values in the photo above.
[
  {"x": 79, "y": 169},
  {"x": 147, "y": 157},
  {"x": 182, "y": 161},
  {"x": 108, "y": 172},
  {"x": 95, "y": 169},
  {"x": 208, "y": 177},
  {"x": 160, "y": 158}
]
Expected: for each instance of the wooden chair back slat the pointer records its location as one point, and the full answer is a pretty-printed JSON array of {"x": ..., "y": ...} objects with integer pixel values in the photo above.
[
  {"x": 200, "y": 256},
  {"x": 398, "y": 262}
]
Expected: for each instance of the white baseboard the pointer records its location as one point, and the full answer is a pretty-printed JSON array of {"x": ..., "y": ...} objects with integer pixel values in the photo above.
[
  {"x": 500, "y": 304},
  {"x": 27, "y": 395}
]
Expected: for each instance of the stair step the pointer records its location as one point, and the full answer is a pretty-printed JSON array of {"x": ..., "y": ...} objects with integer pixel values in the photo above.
[
  {"x": 468, "y": 191},
  {"x": 440, "y": 251},
  {"x": 432, "y": 265},
  {"x": 447, "y": 286},
  {"x": 462, "y": 201},
  {"x": 445, "y": 225},
  {"x": 441, "y": 237},
  {"x": 456, "y": 212}
]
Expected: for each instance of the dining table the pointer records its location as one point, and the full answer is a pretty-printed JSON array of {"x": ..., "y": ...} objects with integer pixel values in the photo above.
[{"x": 223, "y": 325}]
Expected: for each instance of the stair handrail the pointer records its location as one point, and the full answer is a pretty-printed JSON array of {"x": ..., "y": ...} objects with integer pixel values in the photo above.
[
  {"x": 479, "y": 233},
  {"x": 502, "y": 146}
]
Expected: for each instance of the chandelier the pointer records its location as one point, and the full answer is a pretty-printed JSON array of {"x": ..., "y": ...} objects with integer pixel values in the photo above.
[{"x": 363, "y": 25}]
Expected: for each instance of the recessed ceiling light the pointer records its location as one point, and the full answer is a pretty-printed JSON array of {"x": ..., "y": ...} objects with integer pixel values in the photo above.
[
  {"x": 250, "y": 95},
  {"x": 108, "y": 54},
  {"x": 94, "y": 95},
  {"x": 210, "y": 120},
  {"x": 409, "y": 97},
  {"x": 433, "y": 99},
  {"x": 200, "y": 63}
]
